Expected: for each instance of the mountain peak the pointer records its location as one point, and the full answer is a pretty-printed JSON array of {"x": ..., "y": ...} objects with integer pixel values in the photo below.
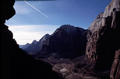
[
  {"x": 34, "y": 42},
  {"x": 66, "y": 28},
  {"x": 45, "y": 37}
]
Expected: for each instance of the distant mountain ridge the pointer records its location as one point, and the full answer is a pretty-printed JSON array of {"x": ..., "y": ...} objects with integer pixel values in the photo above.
[
  {"x": 24, "y": 46},
  {"x": 35, "y": 46},
  {"x": 66, "y": 41}
]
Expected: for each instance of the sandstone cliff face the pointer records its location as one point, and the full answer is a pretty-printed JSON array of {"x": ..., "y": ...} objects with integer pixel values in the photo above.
[{"x": 104, "y": 37}]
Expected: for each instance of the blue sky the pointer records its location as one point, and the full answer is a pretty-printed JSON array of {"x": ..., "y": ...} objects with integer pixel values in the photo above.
[{"x": 37, "y": 18}]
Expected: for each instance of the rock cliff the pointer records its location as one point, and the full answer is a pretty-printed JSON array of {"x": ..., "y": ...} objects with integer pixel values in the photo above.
[
  {"x": 66, "y": 42},
  {"x": 103, "y": 37}
]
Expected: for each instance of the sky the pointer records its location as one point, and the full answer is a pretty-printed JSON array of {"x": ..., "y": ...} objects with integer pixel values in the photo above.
[{"x": 34, "y": 19}]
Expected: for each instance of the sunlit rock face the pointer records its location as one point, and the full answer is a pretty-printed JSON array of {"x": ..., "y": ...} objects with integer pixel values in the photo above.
[
  {"x": 115, "y": 4},
  {"x": 104, "y": 37}
]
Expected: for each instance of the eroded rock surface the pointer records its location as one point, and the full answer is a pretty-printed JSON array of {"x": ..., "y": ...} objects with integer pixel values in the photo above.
[{"x": 104, "y": 37}]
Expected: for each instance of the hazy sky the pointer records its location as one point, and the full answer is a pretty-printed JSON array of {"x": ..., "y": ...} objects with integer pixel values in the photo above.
[{"x": 35, "y": 19}]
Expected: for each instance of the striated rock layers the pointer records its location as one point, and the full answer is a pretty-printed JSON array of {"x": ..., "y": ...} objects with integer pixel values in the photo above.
[{"x": 104, "y": 37}]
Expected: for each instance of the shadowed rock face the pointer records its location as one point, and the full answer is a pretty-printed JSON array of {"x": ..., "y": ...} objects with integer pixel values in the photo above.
[
  {"x": 66, "y": 42},
  {"x": 16, "y": 64},
  {"x": 103, "y": 37},
  {"x": 115, "y": 70}
]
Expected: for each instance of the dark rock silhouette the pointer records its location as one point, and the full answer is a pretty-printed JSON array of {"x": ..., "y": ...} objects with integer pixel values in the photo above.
[
  {"x": 103, "y": 38},
  {"x": 66, "y": 42},
  {"x": 6, "y": 10},
  {"x": 24, "y": 46},
  {"x": 16, "y": 63},
  {"x": 32, "y": 48},
  {"x": 37, "y": 46}
]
